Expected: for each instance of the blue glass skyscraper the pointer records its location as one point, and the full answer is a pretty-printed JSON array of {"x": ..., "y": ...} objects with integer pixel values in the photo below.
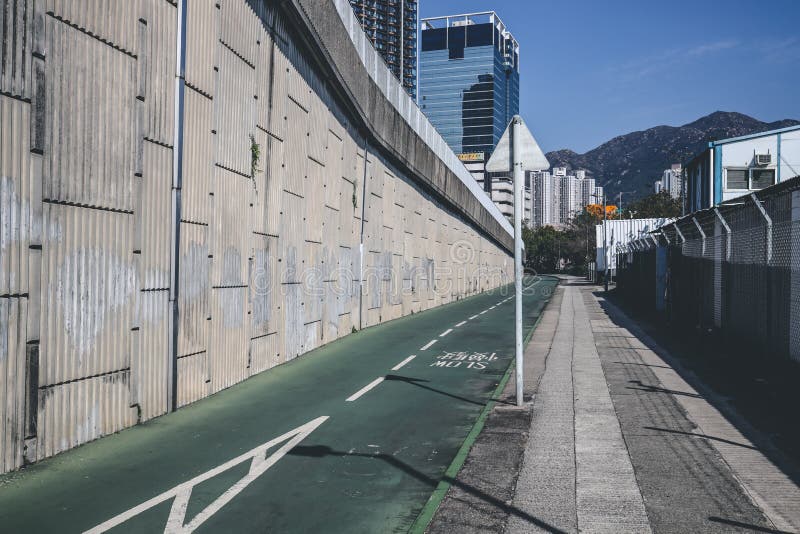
[{"x": 469, "y": 79}]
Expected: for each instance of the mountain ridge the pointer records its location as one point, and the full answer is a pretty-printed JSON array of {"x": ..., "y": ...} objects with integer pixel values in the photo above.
[{"x": 632, "y": 162}]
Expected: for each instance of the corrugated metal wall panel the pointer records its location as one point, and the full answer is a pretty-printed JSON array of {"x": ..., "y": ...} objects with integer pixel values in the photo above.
[
  {"x": 15, "y": 195},
  {"x": 234, "y": 111},
  {"x": 16, "y": 18},
  {"x": 296, "y": 160},
  {"x": 194, "y": 286},
  {"x": 314, "y": 202},
  {"x": 88, "y": 293},
  {"x": 292, "y": 251},
  {"x": 198, "y": 166},
  {"x": 276, "y": 109},
  {"x": 229, "y": 339},
  {"x": 90, "y": 103},
  {"x": 264, "y": 353},
  {"x": 202, "y": 28},
  {"x": 264, "y": 285},
  {"x": 229, "y": 236},
  {"x": 157, "y": 69},
  {"x": 150, "y": 355},
  {"x": 76, "y": 412},
  {"x": 193, "y": 378},
  {"x": 111, "y": 22},
  {"x": 153, "y": 217},
  {"x": 13, "y": 316},
  {"x": 240, "y": 28},
  {"x": 270, "y": 190}
]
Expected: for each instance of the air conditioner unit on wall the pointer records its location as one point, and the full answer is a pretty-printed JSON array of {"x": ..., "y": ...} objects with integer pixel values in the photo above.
[{"x": 763, "y": 159}]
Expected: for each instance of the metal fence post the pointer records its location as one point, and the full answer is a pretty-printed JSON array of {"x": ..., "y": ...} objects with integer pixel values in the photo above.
[
  {"x": 702, "y": 234},
  {"x": 760, "y": 207},
  {"x": 727, "y": 234},
  {"x": 680, "y": 234}
]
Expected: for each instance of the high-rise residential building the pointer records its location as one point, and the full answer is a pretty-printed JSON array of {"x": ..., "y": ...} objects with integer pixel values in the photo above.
[
  {"x": 469, "y": 79},
  {"x": 391, "y": 25},
  {"x": 544, "y": 200},
  {"x": 671, "y": 181},
  {"x": 557, "y": 197}
]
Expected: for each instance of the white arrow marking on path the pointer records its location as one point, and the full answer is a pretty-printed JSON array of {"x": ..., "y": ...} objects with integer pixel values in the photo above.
[{"x": 182, "y": 492}]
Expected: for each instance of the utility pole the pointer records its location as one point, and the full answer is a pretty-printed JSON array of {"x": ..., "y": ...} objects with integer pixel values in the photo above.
[
  {"x": 619, "y": 204},
  {"x": 605, "y": 240}
]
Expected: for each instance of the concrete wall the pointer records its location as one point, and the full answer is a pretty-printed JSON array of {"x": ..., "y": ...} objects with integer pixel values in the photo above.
[{"x": 147, "y": 261}]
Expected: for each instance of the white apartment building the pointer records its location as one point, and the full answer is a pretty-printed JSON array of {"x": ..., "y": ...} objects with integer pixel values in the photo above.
[
  {"x": 671, "y": 181},
  {"x": 557, "y": 197}
]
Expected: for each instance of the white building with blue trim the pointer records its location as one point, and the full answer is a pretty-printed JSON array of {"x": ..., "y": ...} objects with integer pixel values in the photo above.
[{"x": 733, "y": 167}]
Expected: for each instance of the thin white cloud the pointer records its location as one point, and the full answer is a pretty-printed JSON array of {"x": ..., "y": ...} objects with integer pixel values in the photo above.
[
  {"x": 710, "y": 48},
  {"x": 780, "y": 51},
  {"x": 672, "y": 58}
]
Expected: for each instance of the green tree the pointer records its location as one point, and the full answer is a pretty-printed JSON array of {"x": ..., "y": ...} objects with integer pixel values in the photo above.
[
  {"x": 542, "y": 248},
  {"x": 654, "y": 206}
]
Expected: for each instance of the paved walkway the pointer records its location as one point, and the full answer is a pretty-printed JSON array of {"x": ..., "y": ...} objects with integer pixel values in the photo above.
[{"x": 614, "y": 440}]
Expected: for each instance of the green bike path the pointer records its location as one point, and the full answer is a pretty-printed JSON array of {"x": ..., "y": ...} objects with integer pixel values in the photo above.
[{"x": 352, "y": 437}]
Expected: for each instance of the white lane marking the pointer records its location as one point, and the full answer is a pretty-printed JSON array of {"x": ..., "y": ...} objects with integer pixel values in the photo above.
[
  {"x": 473, "y": 317},
  {"x": 499, "y": 303},
  {"x": 426, "y": 347},
  {"x": 401, "y": 364},
  {"x": 462, "y": 323},
  {"x": 181, "y": 493},
  {"x": 484, "y": 311},
  {"x": 493, "y": 307},
  {"x": 363, "y": 390},
  {"x": 446, "y": 332}
]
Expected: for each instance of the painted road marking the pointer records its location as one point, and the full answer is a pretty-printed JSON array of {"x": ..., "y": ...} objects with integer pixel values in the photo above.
[
  {"x": 401, "y": 364},
  {"x": 181, "y": 493},
  {"x": 426, "y": 347},
  {"x": 473, "y": 317},
  {"x": 484, "y": 311},
  {"x": 446, "y": 332},
  {"x": 363, "y": 390},
  {"x": 474, "y": 360},
  {"x": 493, "y": 307},
  {"x": 462, "y": 323}
]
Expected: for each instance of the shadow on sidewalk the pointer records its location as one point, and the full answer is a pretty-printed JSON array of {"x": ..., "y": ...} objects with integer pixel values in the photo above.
[
  {"x": 319, "y": 451},
  {"x": 727, "y": 384}
]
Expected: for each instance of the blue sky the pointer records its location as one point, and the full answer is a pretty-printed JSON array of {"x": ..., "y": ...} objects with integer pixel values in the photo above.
[{"x": 595, "y": 69}]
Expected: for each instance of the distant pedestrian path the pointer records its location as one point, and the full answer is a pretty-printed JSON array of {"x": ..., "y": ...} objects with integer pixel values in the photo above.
[{"x": 614, "y": 440}]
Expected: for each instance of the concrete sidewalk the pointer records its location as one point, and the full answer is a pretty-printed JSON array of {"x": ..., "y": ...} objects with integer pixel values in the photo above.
[{"x": 613, "y": 440}]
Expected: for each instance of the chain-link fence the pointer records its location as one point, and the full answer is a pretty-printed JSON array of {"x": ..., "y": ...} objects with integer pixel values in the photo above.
[{"x": 733, "y": 271}]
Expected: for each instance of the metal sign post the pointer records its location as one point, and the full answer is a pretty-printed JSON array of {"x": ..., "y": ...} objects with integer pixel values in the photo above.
[{"x": 517, "y": 152}]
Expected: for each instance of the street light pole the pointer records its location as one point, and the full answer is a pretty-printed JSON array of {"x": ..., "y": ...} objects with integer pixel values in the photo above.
[{"x": 605, "y": 240}]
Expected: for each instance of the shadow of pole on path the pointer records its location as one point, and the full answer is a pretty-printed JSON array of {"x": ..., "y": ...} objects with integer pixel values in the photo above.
[
  {"x": 746, "y": 526},
  {"x": 418, "y": 383},
  {"x": 319, "y": 451},
  {"x": 698, "y": 435}
]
